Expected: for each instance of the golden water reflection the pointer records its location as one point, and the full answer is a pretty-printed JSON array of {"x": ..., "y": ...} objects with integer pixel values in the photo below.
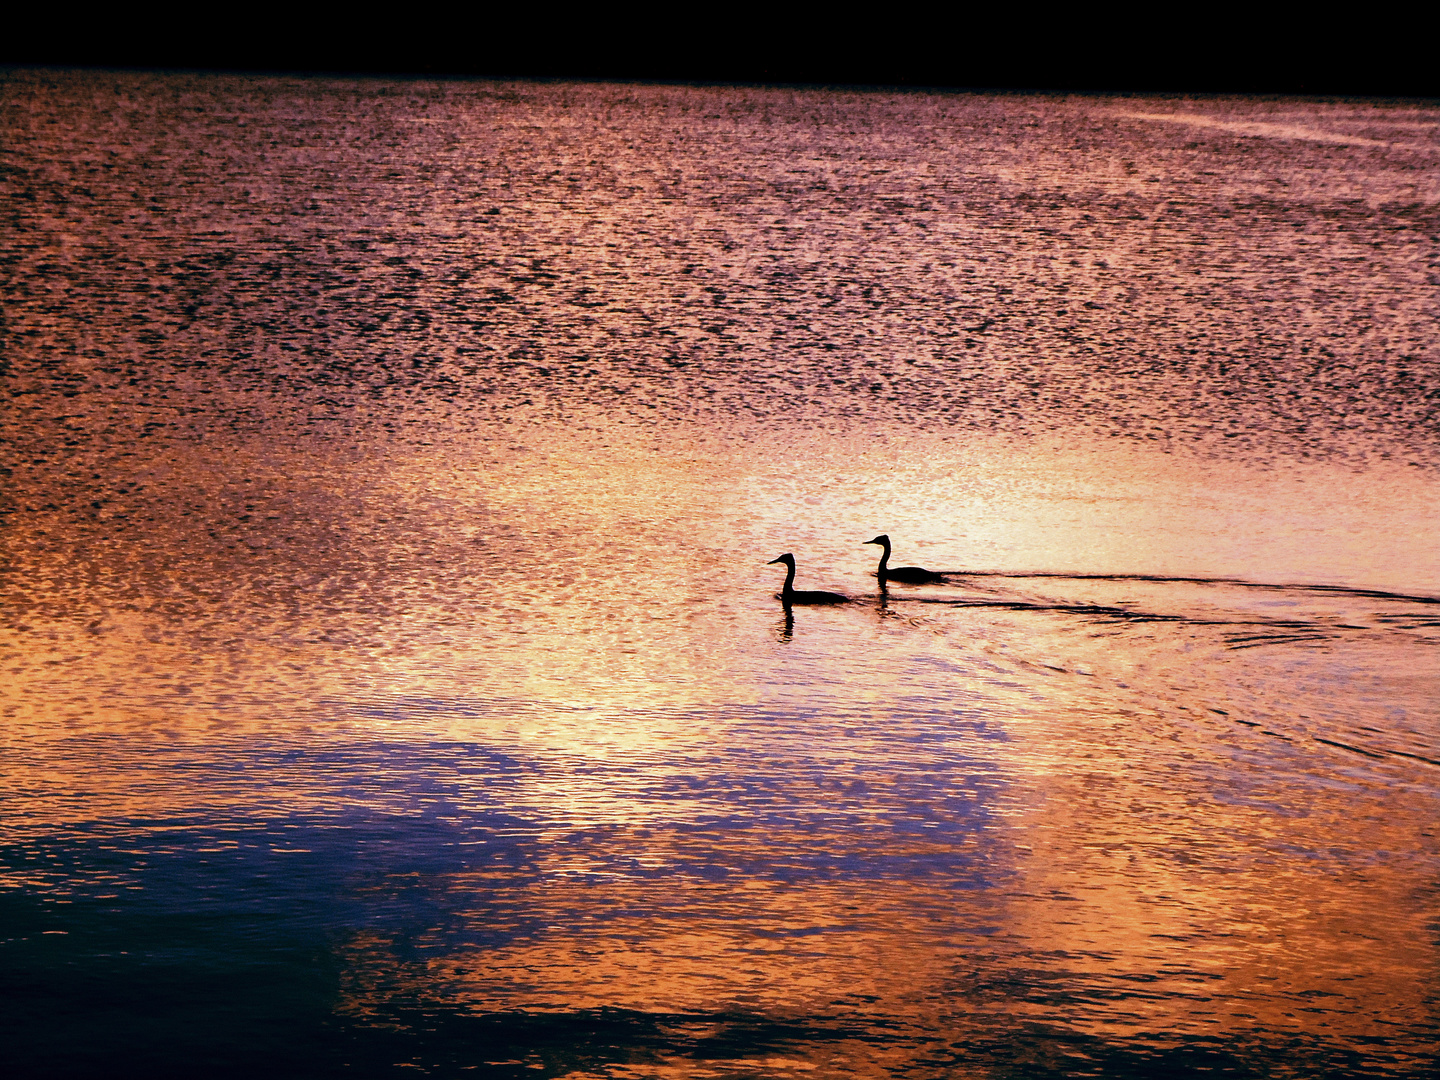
[
  {"x": 390, "y": 474},
  {"x": 1086, "y": 803}
]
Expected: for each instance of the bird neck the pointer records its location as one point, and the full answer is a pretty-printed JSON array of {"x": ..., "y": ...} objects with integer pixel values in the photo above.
[
  {"x": 789, "y": 586},
  {"x": 884, "y": 557}
]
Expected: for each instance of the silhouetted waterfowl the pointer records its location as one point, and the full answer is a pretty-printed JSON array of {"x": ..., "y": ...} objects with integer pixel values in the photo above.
[
  {"x": 790, "y": 595},
  {"x": 910, "y": 575}
]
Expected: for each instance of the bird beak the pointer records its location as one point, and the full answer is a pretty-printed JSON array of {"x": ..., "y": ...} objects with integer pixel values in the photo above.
[{"x": 772, "y": 562}]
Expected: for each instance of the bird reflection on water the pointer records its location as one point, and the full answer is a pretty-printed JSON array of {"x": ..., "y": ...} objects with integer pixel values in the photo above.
[{"x": 789, "y": 596}]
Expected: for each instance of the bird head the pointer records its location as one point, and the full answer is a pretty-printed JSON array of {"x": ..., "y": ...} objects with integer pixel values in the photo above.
[
  {"x": 787, "y": 559},
  {"x": 883, "y": 539}
]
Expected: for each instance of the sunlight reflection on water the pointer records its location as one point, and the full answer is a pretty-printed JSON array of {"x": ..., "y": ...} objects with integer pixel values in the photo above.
[{"x": 387, "y": 616}]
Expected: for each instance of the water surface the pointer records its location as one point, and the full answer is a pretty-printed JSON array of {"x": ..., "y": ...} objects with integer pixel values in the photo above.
[{"x": 393, "y": 677}]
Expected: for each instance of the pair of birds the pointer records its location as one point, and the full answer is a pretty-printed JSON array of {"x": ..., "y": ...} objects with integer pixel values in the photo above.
[{"x": 910, "y": 575}]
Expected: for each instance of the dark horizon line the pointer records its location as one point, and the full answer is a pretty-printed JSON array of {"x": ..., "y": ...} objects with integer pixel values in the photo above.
[
  {"x": 1251, "y": 70},
  {"x": 975, "y": 79}
]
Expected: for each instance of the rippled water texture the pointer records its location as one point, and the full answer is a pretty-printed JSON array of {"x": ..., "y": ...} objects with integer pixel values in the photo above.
[{"x": 394, "y": 680}]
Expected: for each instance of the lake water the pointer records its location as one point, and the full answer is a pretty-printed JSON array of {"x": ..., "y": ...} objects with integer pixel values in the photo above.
[{"x": 394, "y": 681}]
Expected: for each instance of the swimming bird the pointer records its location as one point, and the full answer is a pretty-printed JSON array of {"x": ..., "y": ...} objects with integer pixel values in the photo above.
[
  {"x": 910, "y": 575},
  {"x": 789, "y": 594}
]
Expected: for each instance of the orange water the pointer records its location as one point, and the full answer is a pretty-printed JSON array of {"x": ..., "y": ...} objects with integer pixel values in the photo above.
[{"x": 392, "y": 670}]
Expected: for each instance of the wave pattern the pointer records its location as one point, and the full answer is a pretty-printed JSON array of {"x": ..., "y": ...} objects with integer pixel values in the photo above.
[{"x": 392, "y": 675}]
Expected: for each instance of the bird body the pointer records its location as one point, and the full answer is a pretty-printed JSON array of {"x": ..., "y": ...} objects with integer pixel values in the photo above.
[
  {"x": 790, "y": 595},
  {"x": 909, "y": 575}
]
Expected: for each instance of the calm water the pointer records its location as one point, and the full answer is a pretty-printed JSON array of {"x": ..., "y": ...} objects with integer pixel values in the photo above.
[{"x": 394, "y": 681}]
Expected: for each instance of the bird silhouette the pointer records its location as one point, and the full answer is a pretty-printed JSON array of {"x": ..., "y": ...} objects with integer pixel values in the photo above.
[
  {"x": 790, "y": 595},
  {"x": 910, "y": 575}
]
